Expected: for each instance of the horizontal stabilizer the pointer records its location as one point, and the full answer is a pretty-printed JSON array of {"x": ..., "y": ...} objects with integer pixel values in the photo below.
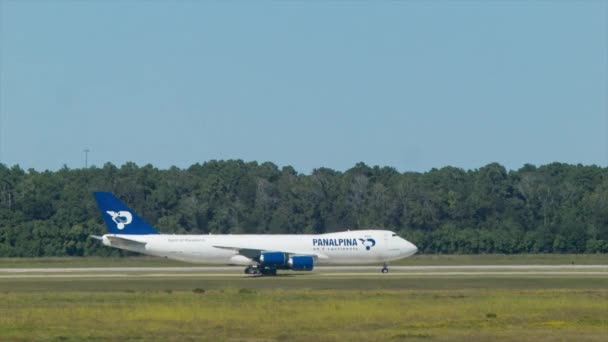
[{"x": 120, "y": 242}]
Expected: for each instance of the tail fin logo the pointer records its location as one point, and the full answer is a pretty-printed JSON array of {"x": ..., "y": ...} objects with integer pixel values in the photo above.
[{"x": 121, "y": 218}]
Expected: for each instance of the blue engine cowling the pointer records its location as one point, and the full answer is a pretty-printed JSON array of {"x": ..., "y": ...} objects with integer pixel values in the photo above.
[
  {"x": 280, "y": 260},
  {"x": 301, "y": 263},
  {"x": 277, "y": 259}
]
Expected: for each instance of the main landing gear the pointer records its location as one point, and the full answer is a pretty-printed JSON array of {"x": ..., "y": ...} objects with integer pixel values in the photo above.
[
  {"x": 261, "y": 270},
  {"x": 385, "y": 268},
  {"x": 253, "y": 270}
]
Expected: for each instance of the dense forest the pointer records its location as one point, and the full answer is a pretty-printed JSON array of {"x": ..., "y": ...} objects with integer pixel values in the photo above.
[{"x": 555, "y": 208}]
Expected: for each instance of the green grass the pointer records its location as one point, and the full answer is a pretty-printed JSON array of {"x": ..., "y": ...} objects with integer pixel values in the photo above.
[
  {"x": 56, "y": 262},
  {"x": 305, "y": 307},
  {"x": 233, "y": 314},
  {"x": 420, "y": 259}
]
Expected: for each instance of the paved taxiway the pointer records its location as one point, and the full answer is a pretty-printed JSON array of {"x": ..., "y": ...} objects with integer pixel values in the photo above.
[
  {"x": 203, "y": 269},
  {"x": 322, "y": 271}
]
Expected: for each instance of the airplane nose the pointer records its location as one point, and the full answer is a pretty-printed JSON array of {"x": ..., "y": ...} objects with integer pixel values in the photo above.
[{"x": 409, "y": 248}]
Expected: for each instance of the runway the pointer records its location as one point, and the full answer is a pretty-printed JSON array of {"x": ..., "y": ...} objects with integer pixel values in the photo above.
[{"x": 321, "y": 271}]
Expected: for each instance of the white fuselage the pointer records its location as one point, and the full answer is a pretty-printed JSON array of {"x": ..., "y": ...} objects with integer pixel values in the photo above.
[{"x": 350, "y": 247}]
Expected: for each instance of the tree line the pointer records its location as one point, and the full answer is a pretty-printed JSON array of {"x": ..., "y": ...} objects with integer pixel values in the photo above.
[{"x": 554, "y": 208}]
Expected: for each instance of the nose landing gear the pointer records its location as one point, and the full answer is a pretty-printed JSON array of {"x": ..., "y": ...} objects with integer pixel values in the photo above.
[{"x": 385, "y": 268}]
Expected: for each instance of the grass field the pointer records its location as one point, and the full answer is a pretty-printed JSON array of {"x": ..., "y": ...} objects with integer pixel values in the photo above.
[
  {"x": 307, "y": 315},
  {"x": 306, "y": 306},
  {"x": 422, "y": 260}
]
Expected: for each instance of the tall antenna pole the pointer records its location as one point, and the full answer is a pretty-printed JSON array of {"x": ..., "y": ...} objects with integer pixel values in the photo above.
[{"x": 86, "y": 158}]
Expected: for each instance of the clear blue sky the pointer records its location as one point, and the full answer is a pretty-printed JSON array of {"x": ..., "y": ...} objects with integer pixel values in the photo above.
[{"x": 413, "y": 85}]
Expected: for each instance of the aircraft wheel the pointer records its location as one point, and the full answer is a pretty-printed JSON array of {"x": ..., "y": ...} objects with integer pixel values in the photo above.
[
  {"x": 272, "y": 271},
  {"x": 384, "y": 269},
  {"x": 253, "y": 270}
]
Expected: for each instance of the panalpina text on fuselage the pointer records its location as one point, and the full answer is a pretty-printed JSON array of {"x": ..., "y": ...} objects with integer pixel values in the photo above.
[{"x": 334, "y": 242}]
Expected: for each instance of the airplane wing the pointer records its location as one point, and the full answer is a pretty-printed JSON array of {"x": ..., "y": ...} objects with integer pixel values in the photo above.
[{"x": 252, "y": 252}]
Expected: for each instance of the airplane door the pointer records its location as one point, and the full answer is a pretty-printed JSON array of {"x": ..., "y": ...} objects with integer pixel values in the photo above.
[{"x": 391, "y": 251}]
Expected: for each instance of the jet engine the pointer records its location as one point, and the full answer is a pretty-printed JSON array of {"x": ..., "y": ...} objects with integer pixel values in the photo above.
[
  {"x": 276, "y": 259},
  {"x": 301, "y": 263},
  {"x": 280, "y": 260}
]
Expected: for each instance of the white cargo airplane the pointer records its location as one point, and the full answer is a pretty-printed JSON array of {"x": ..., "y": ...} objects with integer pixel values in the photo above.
[{"x": 262, "y": 254}]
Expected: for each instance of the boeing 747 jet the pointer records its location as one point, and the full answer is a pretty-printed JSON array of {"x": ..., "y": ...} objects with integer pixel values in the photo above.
[{"x": 261, "y": 254}]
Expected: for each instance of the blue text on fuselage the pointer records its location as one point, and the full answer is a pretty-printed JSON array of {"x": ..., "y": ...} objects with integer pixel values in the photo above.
[{"x": 334, "y": 242}]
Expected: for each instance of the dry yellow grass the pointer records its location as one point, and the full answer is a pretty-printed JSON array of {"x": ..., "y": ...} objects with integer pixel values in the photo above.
[{"x": 308, "y": 315}]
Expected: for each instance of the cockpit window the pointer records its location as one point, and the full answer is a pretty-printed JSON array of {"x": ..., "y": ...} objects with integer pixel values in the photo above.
[{"x": 394, "y": 235}]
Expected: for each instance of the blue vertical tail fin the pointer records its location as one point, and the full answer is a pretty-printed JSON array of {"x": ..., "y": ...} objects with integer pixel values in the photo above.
[{"x": 119, "y": 218}]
